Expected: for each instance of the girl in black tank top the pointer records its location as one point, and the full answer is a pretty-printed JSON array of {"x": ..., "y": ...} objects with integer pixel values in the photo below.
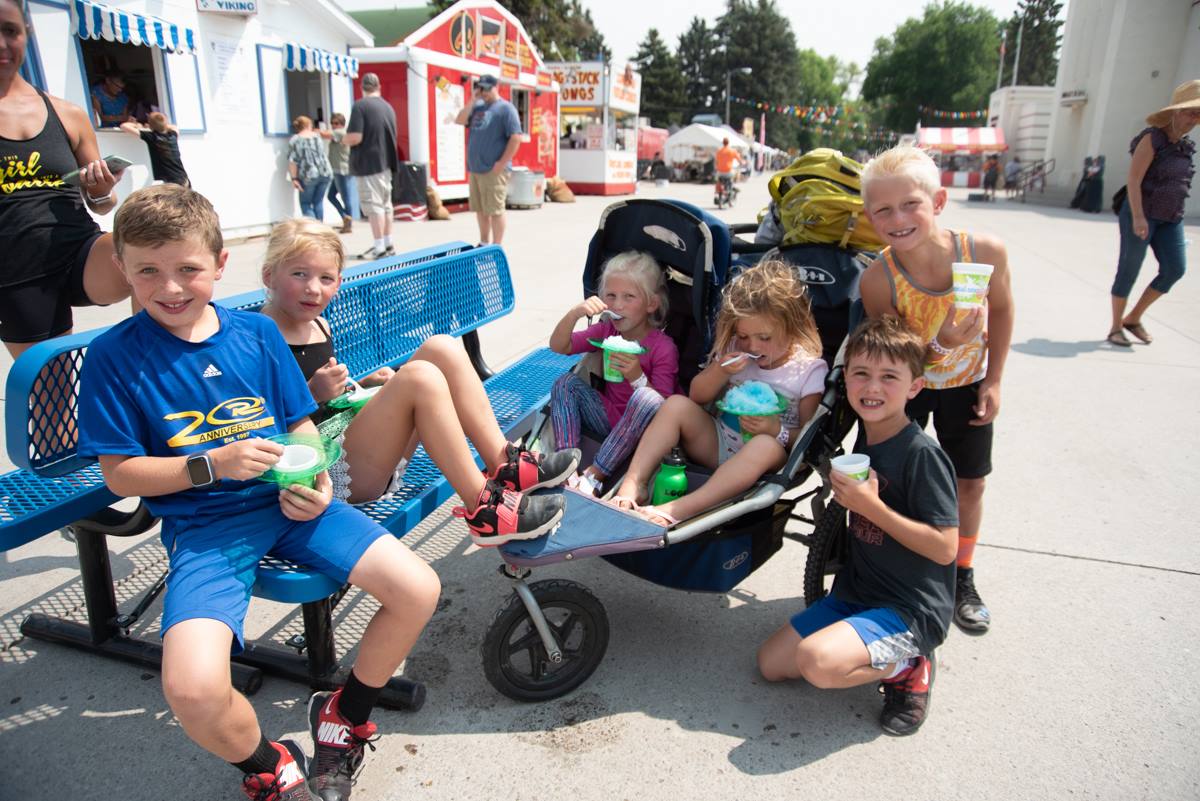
[{"x": 43, "y": 221}]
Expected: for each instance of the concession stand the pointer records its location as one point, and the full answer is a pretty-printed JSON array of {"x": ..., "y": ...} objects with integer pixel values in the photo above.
[
  {"x": 429, "y": 75},
  {"x": 960, "y": 152},
  {"x": 599, "y": 113}
]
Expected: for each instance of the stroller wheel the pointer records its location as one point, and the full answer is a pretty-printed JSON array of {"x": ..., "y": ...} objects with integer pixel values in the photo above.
[
  {"x": 515, "y": 660},
  {"x": 826, "y": 552}
]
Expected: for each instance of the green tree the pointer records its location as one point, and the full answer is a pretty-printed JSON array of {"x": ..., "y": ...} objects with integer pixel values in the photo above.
[
  {"x": 663, "y": 99},
  {"x": 758, "y": 36},
  {"x": 944, "y": 60},
  {"x": 1039, "y": 26},
  {"x": 697, "y": 57},
  {"x": 562, "y": 30}
]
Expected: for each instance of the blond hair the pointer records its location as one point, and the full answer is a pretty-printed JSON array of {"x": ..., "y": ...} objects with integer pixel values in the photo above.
[
  {"x": 301, "y": 123},
  {"x": 770, "y": 289},
  {"x": 903, "y": 161},
  {"x": 644, "y": 272},
  {"x": 157, "y": 121},
  {"x": 888, "y": 337},
  {"x": 167, "y": 213},
  {"x": 293, "y": 238}
]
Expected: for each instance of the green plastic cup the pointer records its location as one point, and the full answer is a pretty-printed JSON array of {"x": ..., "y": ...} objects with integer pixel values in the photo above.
[
  {"x": 612, "y": 374},
  {"x": 304, "y": 457}
]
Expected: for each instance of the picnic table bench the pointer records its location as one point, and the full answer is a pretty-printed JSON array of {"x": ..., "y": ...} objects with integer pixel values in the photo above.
[{"x": 380, "y": 316}]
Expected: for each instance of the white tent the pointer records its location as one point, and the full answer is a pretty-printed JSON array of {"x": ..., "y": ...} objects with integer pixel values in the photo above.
[{"x": 699, "y": 142}]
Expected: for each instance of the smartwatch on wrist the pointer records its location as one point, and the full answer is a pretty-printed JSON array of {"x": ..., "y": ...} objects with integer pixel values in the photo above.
[{"x": 200, "y": 471}]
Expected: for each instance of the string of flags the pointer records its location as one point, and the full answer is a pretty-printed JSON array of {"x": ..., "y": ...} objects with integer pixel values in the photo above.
[
  {"x": 801, "y": 111},
  {"x": 952, "y": 115}
]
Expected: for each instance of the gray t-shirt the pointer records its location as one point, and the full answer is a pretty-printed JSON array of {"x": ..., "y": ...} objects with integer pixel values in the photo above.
[
  {"x": 374, "y": 118},
  {"x": 491, "y": 125},
  {"x": 916, "y": 480}
]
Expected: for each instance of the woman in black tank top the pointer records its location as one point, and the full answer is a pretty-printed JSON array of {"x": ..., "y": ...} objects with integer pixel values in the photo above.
[{"x": 52, "y": 253}]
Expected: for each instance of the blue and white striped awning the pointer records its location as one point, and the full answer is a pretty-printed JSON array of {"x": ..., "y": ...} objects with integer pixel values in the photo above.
[
  {"x": 92, "y": 20},
  {"x": 298, "y": 58}
]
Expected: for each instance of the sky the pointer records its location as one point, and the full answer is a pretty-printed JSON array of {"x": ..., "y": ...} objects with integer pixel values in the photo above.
[{"x": 843, "y": 28}]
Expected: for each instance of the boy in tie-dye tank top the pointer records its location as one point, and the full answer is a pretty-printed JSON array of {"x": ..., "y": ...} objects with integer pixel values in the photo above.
[{"x": 912, "y": 279}]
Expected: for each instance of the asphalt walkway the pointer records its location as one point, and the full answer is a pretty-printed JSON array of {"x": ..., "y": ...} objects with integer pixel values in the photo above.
[{"x": 1089, "y": 562}]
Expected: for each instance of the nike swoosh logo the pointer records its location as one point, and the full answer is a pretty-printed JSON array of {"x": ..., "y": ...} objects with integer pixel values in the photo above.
[
  {"x": 485, "y": 529},
  {"x": 329, "y": 706}
]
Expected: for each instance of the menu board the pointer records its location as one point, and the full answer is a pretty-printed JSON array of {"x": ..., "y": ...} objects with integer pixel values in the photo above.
[{"x": 451, "y": 137}]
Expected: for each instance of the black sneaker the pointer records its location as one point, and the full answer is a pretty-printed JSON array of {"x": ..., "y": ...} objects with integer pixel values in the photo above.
[
  {"x": 503, "y": 515},
  {"x": 390, "y": 250},
  {"x": 970, "y": 613},
  {"x": 906, "y": 697},
  {"x": 289, "y": 782},
  {"x": 371, "y": 253},
  {"x": 337, "y": 747},
  {"x": 525, "y": 471}
]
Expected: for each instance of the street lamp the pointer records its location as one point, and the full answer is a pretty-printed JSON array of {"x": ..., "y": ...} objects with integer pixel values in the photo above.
[{"x": 744, "y": 71}]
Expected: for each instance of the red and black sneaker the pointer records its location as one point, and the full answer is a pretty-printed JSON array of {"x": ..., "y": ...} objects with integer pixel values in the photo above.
[
  {"x": 502, "y": 515},
  {"x": 525, "y": 471},
  {"x": 289, "y": 782},
  {"x": 906, "y": 697},
  {"x": 337, "y": 747}
]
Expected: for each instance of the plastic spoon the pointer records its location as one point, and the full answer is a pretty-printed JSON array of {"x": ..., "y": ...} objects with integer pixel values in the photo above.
[
  {"x": 612, "y": 315},
  {"x": 740, "y": 356}
]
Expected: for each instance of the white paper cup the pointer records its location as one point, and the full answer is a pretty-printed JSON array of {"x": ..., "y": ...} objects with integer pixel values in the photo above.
[
  {"x": 296, "y": 458},
  {"x": 854, "y": 465},
  {"x": 970, "y": 284}
]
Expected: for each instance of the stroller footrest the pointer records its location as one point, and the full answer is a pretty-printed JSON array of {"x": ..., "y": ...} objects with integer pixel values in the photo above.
[{"x": 590, "y": 527}]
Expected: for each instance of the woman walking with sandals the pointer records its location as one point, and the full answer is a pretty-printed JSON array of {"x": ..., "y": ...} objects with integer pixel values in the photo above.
[
  {"x": 52, "y": 254},
  {"x": 1151, "y": 214}
]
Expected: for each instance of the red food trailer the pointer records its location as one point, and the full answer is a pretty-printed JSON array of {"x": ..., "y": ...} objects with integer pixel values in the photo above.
[{"x": 428, "y": 76}]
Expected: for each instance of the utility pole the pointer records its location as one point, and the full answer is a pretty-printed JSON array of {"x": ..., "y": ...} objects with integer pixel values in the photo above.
[{"x": 1017, "y": 58}]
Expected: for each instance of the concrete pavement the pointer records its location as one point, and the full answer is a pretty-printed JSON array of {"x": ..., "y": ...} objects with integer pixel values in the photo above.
[{"x": 1088, "y": 560}]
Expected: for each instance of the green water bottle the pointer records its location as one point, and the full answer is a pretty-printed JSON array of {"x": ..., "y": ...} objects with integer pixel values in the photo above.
[{"x": 672, "y": 479}]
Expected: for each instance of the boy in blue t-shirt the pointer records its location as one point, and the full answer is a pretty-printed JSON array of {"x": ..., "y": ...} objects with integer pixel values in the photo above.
[
  {"x": 177, "y": 403},
  {"x": 892, "y": 599}
]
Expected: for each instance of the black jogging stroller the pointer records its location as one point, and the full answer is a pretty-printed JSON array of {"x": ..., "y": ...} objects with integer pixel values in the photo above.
[{"x": 552, "y": 634}]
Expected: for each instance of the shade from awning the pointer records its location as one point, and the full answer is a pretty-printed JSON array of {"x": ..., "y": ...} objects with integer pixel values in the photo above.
[
  {"x": 92, "y": 20},
  {"x": 300, "y": 58},
  {"x": 962, "y": 140}
]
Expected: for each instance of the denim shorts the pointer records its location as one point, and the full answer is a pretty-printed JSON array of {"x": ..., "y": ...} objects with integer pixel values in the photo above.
[{"x": 886, "y": 636}]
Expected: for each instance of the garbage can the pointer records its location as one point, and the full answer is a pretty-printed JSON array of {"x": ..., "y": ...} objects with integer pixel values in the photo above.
[
  {"x": 526, "y": 189},
  {"x": 408, "y": 192}
]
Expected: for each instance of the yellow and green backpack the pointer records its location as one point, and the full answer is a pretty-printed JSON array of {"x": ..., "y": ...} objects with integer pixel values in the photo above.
[{"x": 819, "y": 199}]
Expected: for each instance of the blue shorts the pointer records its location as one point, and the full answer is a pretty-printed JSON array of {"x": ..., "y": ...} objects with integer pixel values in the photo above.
[
  {"x": 885, "y": 634},
  {"x": 214, "y": 558}
]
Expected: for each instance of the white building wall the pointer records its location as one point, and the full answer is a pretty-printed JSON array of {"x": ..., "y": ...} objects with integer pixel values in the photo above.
[
  {"x": 1128, "y": 56},
  {"x": 242, "y": 171},
  {"x": 1023, "y": 113}
]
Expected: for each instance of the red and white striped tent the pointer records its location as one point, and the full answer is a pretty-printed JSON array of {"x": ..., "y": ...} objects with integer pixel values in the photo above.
[{"x": 961, "y": 140}]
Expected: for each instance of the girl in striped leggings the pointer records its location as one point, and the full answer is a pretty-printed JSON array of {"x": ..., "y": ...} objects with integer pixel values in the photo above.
[{"x": 633, "y": 290}]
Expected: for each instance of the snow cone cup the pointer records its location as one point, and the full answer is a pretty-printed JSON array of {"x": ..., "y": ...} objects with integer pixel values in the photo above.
[
  {"x": 752, "y": 399},
  {"x": 852, "y": 465},
  {"x": 304, "y": 457},
  {"x": 970, "y": 284},
  {"x": 616, "y": 344}
]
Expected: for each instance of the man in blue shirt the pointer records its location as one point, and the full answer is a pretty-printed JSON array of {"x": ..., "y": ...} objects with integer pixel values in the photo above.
[{"x": 495, "y": 135}]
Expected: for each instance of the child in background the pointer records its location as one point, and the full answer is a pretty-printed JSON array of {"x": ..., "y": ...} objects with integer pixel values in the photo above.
[
  {"x": 343, "y": 181},
  {"x": 891, "y": 600},
  {"x": 302, "y": 271},
  {"x": 633, "y": 288},
  {"x": 177, "y": 403},
  {"x": 766, "y": 323},
  {"x": 913, "y": 280},
  {"x": 162, "y": 140}
]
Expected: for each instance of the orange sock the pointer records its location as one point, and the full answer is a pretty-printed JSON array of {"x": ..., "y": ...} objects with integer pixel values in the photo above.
[{"x": 966, "y": 550}]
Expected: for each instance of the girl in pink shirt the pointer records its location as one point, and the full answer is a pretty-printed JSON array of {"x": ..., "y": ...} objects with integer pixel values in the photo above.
[{"x": 633, "y": 290}]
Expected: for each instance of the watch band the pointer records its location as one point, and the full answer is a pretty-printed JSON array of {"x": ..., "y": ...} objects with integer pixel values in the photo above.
[{"x": 98, "y": 200}]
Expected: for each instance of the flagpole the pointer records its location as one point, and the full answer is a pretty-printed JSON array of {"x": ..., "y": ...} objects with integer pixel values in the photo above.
[
  {"x": 1017, "y": 57},
  {"x": 1000, "y": 69}
]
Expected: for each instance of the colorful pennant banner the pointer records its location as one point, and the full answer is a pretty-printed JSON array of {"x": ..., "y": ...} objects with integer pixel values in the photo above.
[{"x": 952, "y": 115}]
